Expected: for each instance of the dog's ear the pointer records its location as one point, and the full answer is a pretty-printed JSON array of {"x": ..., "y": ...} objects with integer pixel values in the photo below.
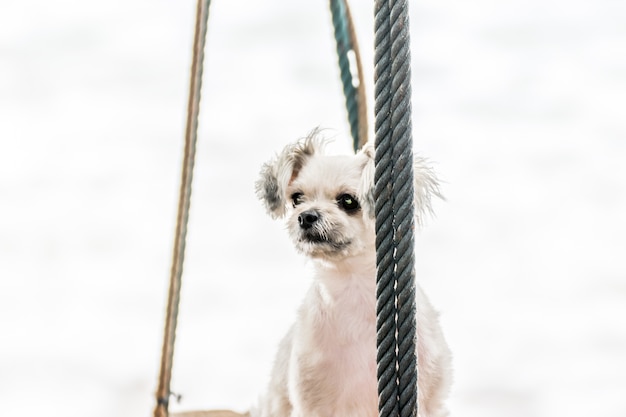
[
  {"x": 426, "y": 185},
  {"x": 279, "y": 172},
  {"x": 366, "y": 188}
]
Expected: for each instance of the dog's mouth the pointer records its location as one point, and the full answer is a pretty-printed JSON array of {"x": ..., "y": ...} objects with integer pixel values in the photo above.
[
  {"x": 323, "y": 241},
  {"x": 314, "y": 237}
]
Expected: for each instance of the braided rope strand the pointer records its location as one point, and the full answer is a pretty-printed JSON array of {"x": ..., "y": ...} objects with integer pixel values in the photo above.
[
  {"x": 191, "y": 132},
  {"x": 403, "y": 207},
  {"x": 385, "y": 279},
  {"x": 394, "y": 184}
]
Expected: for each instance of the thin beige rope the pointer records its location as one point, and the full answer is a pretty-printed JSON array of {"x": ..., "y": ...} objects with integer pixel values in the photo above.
[{"x": 191, "y": 132}]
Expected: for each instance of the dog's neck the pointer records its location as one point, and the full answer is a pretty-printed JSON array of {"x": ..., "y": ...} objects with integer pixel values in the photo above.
[{"x": 358, "y": 271}]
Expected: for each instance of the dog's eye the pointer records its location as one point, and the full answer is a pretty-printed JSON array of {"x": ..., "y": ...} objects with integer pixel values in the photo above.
[
  {"x": 348, "y": 203},
  {"x": 296, "y": 198}
]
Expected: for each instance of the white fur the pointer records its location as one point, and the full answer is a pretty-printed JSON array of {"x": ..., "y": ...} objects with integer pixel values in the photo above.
[{"x": 326, "y": 364}]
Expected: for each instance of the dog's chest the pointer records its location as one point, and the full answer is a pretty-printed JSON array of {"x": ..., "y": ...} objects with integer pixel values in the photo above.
[
  {"x": 348, "y": 349},
  {"x": 339, "y": 355}
]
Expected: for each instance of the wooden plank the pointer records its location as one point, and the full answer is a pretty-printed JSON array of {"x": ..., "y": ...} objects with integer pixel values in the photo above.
[{"x": 209, "y": 413}]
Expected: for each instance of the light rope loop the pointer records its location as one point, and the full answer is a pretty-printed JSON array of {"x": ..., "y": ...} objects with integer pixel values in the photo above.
[{"x": 353, "y": 88}]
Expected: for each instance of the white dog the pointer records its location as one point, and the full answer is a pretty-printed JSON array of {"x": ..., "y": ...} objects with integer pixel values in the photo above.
[{"x": 326, "y": 364}]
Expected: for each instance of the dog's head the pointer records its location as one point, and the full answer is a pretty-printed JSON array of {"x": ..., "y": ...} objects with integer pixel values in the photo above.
[{"x": 329, "y": 200}]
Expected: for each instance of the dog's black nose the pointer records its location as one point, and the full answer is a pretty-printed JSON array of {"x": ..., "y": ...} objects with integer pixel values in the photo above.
[{"x": 307, "y": 218}]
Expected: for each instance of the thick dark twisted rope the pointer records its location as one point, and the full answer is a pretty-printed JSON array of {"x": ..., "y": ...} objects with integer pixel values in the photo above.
[
  {"x": 193, "y": 108},
  {"x": 385, "y": 280},
  {"x": 394, "y": 194},
  {"x": 353, "y": 89},
  {"x": 403, "y": 207}
]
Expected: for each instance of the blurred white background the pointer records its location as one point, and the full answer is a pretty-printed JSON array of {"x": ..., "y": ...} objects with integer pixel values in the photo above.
[{"x": 521, "y": 105}]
